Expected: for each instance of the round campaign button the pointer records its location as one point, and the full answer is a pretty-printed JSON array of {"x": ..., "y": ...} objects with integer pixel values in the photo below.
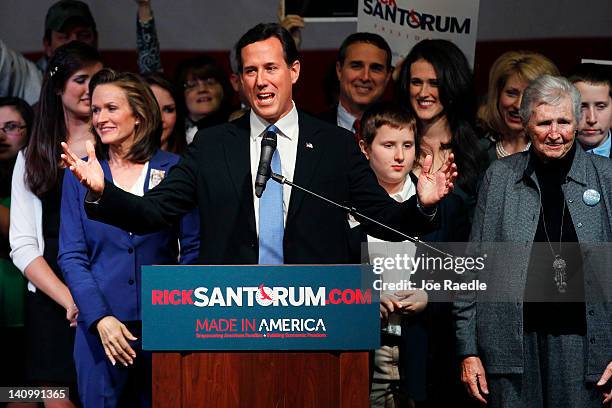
[{"x": 591, "y": 197}]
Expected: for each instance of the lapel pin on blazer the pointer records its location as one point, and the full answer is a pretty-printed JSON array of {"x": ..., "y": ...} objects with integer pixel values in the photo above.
[
  {"x": 155, "y": 177},
  {"x": 591, "y": 197},
  {"x": 309, "y": 145}
]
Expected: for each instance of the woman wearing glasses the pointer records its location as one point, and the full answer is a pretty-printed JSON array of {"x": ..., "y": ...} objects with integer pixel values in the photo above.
[
  {"x": 16, "y": 118},
  {"x": 207, "y": 94}
]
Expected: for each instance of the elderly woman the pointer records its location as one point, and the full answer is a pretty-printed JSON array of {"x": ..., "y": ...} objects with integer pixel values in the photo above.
[{"x": 555, "y": 352}]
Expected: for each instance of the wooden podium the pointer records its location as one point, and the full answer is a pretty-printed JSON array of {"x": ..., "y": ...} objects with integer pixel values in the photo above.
[
  {"x": 321, "y": 320},
  {"x": 261, "y": 379}
]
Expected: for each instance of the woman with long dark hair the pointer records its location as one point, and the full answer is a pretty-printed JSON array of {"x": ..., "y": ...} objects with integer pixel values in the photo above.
[
  {"x": 436, "y": 84},
  {"x": 62, "y": 115},
  {"x": 173, "y": 120}
]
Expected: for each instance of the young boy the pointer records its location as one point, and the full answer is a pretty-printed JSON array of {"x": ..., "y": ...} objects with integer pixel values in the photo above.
[
  {"x": 595, "y": 85},
  {"x": 409, "y": 346},
  {"x": 388, "y": 140}
]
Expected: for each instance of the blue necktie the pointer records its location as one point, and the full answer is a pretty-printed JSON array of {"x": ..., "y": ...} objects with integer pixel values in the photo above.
[{"x": 271, "y": 225}]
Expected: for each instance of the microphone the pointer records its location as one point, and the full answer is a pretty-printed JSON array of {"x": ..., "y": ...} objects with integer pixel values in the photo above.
[{"x": 268, "y": 146}]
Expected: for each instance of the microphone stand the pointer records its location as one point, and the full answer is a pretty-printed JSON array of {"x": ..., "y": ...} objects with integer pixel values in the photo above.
[{"x": 353, "y": 211}]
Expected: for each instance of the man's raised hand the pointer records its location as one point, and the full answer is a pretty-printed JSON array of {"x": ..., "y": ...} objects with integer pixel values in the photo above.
[
  {"x": 89, "y": 172},
  {"x": 433, "y": 187}
]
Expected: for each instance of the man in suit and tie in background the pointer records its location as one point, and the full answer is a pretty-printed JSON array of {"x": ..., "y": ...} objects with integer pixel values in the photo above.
[
  {"x": 363, "y": 69},
  {"x": 218, "y": 171}
]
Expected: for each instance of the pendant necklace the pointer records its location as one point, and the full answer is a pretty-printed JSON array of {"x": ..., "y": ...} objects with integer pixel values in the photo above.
[{"x": 559, "y": 265}]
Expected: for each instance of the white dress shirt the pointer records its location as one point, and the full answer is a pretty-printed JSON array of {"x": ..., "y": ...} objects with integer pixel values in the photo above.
[
  {"x": 286, "y": 144},
  {"x": 190, "y": 133},
  {"x": 345, "y": 119}
]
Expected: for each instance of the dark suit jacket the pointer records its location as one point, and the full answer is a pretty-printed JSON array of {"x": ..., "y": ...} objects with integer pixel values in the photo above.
[
  {"x": 330, "y": 116},
  {"x": 215, "y": 176}
]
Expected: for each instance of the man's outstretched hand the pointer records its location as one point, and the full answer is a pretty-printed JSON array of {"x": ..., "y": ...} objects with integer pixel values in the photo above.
[{"x": 89, "y": 172}]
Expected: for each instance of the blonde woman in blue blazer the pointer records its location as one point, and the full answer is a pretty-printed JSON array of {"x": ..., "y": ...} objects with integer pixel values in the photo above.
[{"x": 101, "y": 263}]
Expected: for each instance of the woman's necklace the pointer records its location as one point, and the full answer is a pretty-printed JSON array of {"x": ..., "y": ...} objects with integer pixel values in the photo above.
[
  {"x": 501, "y": 152},
  {"x": 559, "y": 265}
]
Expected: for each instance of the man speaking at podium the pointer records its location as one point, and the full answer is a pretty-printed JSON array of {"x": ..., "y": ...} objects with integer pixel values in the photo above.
[{"x": 219, "y": 175}]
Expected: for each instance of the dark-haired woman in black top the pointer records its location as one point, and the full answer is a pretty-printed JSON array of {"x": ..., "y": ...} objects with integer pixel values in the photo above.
[{"x": 436, "y": 84}]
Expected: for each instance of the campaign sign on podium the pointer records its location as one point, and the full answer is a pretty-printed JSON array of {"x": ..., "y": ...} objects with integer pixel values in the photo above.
[{"x": 324, "y": 307}]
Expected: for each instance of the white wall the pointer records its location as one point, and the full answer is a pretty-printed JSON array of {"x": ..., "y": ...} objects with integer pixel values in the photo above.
[{"x": 216, "y": 25}]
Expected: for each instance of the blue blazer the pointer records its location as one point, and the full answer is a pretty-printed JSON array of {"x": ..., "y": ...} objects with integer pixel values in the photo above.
[{"x": 101, "y": 263}]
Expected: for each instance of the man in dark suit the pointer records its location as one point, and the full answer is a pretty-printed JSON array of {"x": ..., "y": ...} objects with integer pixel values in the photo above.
[
  {"x": 363, "y": 69},
  {"x": 218, "y": 171}
]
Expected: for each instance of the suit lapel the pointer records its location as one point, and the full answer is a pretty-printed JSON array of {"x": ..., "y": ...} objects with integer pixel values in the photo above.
[
  {"x": 309, "y": 151},
  {"x": 159, "y": 162},
  {"x": 106, "y": 169},
  {"x": 238, "y": 159},
  {"x": 237, "y": 153},
  {"x": 122, "y": 235}
]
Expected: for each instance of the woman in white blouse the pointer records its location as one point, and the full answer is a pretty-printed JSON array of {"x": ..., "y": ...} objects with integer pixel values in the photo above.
[{"x": 61, "y": 115}]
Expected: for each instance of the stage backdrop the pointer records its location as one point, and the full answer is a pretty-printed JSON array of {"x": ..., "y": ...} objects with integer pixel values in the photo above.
[
  {"x": 212, "y": 25},
  {"x": 559, "y": 29}
]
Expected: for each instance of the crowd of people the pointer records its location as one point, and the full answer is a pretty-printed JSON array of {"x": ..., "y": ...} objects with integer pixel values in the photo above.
[{"x": 104, "y": 171}]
